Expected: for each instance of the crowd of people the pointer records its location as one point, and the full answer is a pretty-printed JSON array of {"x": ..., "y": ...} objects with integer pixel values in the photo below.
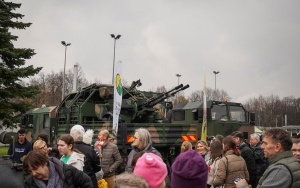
[{"x": 262, "y": 161}]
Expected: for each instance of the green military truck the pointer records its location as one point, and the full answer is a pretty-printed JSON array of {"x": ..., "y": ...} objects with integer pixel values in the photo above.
[{"x": 92, "y": 107}]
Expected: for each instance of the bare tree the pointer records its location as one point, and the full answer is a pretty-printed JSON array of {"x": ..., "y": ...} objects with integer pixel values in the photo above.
[
  {"x": 271, "y": 111},
  {"x": 195, "y": 96},
  {"x": 50, "y": 86},
  {"x": 180, "y": 99},
  {"x": 161, "y": 89},
  {"x": 211, "y": 94}
]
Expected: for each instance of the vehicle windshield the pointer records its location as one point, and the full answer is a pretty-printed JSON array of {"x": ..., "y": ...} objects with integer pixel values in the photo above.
[
  {"x": 218, "y": 112},
  {"x": 237, "y": 113}
]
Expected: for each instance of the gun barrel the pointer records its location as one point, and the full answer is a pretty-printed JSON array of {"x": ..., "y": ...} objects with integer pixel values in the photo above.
[
  {"x": 167, "y": 96},
  {"x": 163, "y": 95}
]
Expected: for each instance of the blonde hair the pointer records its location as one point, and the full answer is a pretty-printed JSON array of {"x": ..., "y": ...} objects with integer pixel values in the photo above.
[
  {"x": 105, "y": 132},
  {"x": 185, "y": 146},
  {"x": 203, "y": 143},
  {"x": 38, "y": 144}
]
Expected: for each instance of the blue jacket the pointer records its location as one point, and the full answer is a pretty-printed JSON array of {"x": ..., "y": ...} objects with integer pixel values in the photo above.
[{"x": 19, "y": 151}]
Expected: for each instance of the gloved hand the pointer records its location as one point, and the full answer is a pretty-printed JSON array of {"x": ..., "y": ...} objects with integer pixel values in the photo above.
[{"x": 99, "y": 174}]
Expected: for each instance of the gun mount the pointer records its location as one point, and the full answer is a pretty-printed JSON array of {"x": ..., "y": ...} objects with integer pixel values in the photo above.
[
  {"x": 152, "y": 102},
  {"x": 95, "y": 104},
  {"x": 149, "y": 109}
]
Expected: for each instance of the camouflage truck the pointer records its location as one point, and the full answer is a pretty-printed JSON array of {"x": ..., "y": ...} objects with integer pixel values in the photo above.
[{"x": 92, "y": 107}]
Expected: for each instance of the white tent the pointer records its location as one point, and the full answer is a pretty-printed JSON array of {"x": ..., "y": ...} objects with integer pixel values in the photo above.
[{"x": 257, "y": 130}]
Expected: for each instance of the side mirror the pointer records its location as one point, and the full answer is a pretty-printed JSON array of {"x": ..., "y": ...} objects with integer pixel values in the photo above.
[
  {"x": 200, "y": 115},
  {"x": 252, "y": 118}
]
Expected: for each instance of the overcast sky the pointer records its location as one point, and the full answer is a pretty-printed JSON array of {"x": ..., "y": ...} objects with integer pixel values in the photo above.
[{"x": 254, "y": 44}]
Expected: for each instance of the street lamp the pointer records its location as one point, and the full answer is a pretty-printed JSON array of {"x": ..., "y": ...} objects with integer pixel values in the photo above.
[
  {"x": 63, "y": 89},
  {"x": 116, "y": 38},
  {"x": 178, "y": 75},
  {"x": 216, "y": 72}
]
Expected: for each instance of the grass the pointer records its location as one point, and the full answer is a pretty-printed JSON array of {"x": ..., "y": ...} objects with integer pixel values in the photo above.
[{"x": 3, "y": 150}]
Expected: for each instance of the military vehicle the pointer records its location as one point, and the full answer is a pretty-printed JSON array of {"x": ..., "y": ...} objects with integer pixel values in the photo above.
[{"x": 92, "y": 107}]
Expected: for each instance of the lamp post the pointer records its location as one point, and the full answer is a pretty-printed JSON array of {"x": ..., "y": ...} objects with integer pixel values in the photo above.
[
  {"x": 116, "y": 38},
  {"x": 63, "y": 89},
  {"x": 178, "y": 75},
  {"x": 216, "y": 72}
]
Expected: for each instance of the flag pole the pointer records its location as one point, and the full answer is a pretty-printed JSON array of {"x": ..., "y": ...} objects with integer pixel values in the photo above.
[{"x": 204, "y": 123}]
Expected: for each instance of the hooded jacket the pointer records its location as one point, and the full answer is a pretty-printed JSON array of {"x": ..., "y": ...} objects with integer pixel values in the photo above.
[
  {"x": 76, "y": 160},
  {"x": 189, "y": 170}
]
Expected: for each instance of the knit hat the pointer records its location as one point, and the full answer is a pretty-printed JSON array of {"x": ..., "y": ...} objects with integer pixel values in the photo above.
[
  {"x": 189, "y": 170},
  {"x": 78, "y": 127},
  {"x": 152, "y": 168},
  {"x": 88, "y": 136}
]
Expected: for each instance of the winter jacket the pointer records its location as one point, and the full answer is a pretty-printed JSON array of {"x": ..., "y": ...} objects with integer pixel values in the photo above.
[
  {"x": 69, "y": 176},
  {"x": 260, "y": 160},
  {"x": 212, "y": 170},
  {"x": 248, "y": 156},
  {"x": 91, "y": 163},
  {"x": 19, "y": 151},
  {"x": 282, "y": 171},
  {"x": 111, "y": 159},
  {"x": 206, "y": 156},
  {"x": 148, "y": 148},
  {"x": 76, "y": 160},
  {"x": 230, "y": 167}
]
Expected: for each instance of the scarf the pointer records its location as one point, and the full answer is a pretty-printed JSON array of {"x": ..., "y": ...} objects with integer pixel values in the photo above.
[{"x": 53, "y": 180}]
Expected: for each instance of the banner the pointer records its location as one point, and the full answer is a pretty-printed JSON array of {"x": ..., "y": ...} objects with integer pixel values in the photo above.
[
  {"x": 204, "y": 123},
  {"x": 118, "y": 91}
]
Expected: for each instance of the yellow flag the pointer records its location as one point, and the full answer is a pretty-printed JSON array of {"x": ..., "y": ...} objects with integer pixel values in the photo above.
[{"x": 204, "y": 123}]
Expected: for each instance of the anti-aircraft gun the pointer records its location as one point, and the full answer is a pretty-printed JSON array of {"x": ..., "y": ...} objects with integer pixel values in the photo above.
[
  {"x": 93, "y": 105},
  {"x": 146, "y": 108}
]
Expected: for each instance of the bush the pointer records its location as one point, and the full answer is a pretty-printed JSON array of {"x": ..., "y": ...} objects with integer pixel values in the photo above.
[{"x": 3, "y": 150}]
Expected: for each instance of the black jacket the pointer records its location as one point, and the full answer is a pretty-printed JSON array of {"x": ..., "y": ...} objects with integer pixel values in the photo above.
[
  {"x": 260, "y": 160},
  {"x": 91, "y": 162},
  {"x": 248, "y": 156},
  {"x": 69, "y": 176}
]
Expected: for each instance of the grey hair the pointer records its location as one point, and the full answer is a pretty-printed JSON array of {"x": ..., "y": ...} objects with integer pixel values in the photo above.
[
  {"x": 130, "y": 180},
  {"x": 145, "y": 137},
  {"x": 77, "y": 135},
  {"x": 280, "y": 136},
  {"x": 256, "y": 136}
]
